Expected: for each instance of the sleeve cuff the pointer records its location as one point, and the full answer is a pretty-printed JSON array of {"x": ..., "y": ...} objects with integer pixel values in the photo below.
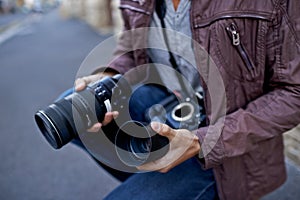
[
  {"x": 105, "y": 69},
  {"x": 212, "y": 150}
]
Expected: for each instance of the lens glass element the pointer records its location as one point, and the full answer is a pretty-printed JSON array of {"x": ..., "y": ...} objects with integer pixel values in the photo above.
[
  {"x": 47, "y": 128},
  {"x": 140, "y": 147}
]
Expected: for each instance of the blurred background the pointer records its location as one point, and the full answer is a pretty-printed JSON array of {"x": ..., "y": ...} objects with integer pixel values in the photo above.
[{"x": 42, "y": 45}]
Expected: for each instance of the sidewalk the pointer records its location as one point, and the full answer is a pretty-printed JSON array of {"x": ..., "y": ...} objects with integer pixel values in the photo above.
[
  {"x": 9, "y": 20},
  {"x": 12, "y": 24},
  {"x": 290, "y": 189}
]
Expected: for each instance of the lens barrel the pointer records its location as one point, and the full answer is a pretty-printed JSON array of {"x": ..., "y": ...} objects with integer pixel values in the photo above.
[
  {"x": 57, "y": 124},
  {"x": 136, "y": 144},
  {"x": 63, "y": 120},
  {"x": 55, "y": 127}
]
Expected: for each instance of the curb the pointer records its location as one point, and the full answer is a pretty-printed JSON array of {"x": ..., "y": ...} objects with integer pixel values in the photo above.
[
  {"x": 10, "y": 29},
  {"x": 9, "y": 25}
]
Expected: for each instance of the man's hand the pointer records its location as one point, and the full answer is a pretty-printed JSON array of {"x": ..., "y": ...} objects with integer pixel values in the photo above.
[
  {"x": 183, "y": 145},
  {"x": 81, "y": 83}
]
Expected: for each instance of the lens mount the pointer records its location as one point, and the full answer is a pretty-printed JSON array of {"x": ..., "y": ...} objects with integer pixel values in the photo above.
[{"x": 183, "y": 112}]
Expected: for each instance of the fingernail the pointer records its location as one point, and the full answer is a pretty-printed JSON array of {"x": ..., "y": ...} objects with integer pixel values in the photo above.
[
  {"x": 115, "y": 113},
  {"x": 155, "y": 126},
  {"x": 80, "y": 86}
]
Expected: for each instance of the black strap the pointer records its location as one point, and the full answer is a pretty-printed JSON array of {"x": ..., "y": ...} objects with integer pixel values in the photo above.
[{"x": 161, "y": 9}]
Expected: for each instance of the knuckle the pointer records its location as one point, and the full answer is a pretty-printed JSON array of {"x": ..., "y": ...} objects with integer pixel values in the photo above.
[
  {"x": 79, "y": 80},
  {"x": 86, "y": 79},
  {"x": 165, "y": 128}
]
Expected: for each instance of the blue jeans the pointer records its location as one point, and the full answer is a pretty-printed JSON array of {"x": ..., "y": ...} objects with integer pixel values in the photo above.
[{"x": 186, "y": 181}]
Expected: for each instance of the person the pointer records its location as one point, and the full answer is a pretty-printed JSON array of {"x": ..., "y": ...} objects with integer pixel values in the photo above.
[
  {"x": 255, "y": 46},
  {"x": 1, "y": 4}
]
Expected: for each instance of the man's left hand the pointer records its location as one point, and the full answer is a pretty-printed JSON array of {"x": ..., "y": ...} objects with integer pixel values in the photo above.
[{"x": 183, "y": 145}]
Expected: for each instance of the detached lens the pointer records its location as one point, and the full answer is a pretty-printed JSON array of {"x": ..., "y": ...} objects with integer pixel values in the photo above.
[
  {"x": 140, "y": 147},
  {"x": 136, "y": 144}
]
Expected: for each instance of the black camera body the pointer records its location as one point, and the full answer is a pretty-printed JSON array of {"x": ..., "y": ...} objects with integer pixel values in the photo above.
[
  {"x": 63, "y": 120},
  {"x": 178, "y": 113}
]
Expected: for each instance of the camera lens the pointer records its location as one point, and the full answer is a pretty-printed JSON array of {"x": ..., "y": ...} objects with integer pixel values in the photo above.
[
  {"x": 47, "y": 128},
  {"x": 136, "y": 144},
  {"x": 54, "y": 124},
  {"x": 140, "y": 147},
  {"x": 62, "y": 121}
]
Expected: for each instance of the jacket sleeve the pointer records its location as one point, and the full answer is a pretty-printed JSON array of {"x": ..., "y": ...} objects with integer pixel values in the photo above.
[
  {"x": 274, "y": 112},
  {"x": 123, "y": 59}
]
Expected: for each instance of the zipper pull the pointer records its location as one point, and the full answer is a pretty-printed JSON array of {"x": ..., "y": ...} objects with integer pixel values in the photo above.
[
  {"x": 235, "y": 34},
  {"x": 142, "y": 2}
]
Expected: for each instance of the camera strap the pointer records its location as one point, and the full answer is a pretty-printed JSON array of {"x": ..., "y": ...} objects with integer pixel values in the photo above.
[{"x": 161, "y": 9}]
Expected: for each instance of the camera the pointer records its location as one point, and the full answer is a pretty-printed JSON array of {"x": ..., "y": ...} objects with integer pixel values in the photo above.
[
  {"x": 66, "y": 118},
  {"x": 63, "y": 120}
]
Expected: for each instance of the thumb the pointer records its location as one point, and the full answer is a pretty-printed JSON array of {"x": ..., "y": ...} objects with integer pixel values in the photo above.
[
  {"x": 163, "y": 129},
  {"x": 80, "y": 84}
]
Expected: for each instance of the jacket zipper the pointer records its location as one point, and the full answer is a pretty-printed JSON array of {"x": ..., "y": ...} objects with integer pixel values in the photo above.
[
  {"x": 209, "y": 21},
  {"x": 233, "y": 33}
]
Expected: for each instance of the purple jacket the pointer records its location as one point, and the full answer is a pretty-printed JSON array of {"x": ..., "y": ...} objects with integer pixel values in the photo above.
[{"x": 255, "y": 46}]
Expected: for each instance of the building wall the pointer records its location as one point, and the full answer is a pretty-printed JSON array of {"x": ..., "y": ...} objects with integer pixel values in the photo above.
[
  {"x": 72, "y": 8},
  {"x": 7, "y": 6},
  {"x": 103, "y": 15}
]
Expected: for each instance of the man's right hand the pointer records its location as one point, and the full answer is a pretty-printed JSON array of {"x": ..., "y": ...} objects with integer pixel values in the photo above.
[{"x": 81, "y": 83}]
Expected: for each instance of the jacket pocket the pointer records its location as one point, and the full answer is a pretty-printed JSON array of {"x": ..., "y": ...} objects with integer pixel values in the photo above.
[
  {"x": 236, "y": 43},
  {"x": 234, "y": 35}
]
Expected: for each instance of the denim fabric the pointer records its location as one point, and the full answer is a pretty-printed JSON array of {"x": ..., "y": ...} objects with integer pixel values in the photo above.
[
  {"x": 186, "y": 181},
  {"x": 65, "y": 93}
]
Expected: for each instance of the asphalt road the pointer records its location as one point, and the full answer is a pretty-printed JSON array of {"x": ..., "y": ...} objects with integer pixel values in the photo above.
[{"x": 37, "y": 63}]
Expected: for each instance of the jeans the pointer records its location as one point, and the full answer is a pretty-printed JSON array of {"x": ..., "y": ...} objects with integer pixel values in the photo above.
[{"x": 186, "y": 181}]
